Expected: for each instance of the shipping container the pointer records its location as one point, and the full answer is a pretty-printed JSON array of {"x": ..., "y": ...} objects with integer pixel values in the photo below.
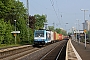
[
  {"x": 54, "y": 35},
  {"x": 60, "y": 37},
  {"x": 57, "y": 36}
]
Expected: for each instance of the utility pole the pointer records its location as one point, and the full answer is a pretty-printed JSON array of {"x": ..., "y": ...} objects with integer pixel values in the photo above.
[
  {"x": 85, "y": 25},
  {"x": 66, "y": 27},
  {"x": 53, "y": 24},
  {"x": 28, "y": 18},
  {"x": 78, "y": 31}
]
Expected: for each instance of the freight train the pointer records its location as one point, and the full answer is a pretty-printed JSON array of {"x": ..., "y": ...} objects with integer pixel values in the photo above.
[{"x": 42, "y": 37}]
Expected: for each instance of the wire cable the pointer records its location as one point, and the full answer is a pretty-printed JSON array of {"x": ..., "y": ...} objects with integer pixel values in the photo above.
[{"x": 52, "y": 3}]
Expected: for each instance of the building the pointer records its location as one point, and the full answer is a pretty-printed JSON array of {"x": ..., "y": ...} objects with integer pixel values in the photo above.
[
  {"x": 86, "y": 25},
  {"x": 83, "y": 26}
]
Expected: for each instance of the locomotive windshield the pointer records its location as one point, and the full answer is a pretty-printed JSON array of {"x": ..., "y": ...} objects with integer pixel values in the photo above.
[{"x": 39, "y": 34}]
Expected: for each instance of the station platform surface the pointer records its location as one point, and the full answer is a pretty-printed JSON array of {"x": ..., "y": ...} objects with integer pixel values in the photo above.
[
  {"x": 77, "y": 51},
  {"x": 80, "y": 48}
]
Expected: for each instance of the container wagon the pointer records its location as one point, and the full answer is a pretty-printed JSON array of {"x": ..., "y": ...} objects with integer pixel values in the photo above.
[{"x": 60, "y": 37}]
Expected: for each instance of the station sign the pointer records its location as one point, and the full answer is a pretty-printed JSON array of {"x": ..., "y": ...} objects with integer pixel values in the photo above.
[
  {"x": 78, "y": 31},
  {"x": 15, "y": 32}
]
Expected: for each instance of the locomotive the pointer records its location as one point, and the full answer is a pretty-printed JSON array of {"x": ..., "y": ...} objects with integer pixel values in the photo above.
[{"x": 42, "y": 37}]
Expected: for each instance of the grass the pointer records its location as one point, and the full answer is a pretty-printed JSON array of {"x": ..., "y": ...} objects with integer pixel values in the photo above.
[{"x": 6, "y": 45}]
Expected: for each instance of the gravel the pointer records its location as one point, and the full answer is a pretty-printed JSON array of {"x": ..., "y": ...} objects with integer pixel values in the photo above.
[{"x": 39, "y": 53}]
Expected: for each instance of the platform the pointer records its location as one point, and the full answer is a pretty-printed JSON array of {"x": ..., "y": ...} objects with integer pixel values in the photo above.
[
  {"x": 71, "y": 53},
  {"x": 82, "y": 51}
]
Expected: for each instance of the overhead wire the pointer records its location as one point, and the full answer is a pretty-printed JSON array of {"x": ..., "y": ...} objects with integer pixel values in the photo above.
[
  {"x": 35, "y": 8},
  {"x": 61, "y": 16},
  {"x": 58, "y": 12},
  {"x": 52, "y": 4}
]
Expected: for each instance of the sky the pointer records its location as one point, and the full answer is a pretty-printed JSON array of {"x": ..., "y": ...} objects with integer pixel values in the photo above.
[{"x": 61, "y": 12}]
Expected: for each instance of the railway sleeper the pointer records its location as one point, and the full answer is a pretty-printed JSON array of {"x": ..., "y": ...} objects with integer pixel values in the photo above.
[
  {"x": 54, "y": 53},
  {"x": 12, "y": 52}
]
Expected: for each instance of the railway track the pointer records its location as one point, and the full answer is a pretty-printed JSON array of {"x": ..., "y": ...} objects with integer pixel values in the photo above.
[
  {"x": 14, "y": 53},
  {"x": 51, "y": 52},
  {"x": 58, "y": 53}
]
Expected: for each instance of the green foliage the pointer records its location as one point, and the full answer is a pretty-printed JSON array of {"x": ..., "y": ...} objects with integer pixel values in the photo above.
[
  {"x": 40, "y": 20},
  {"x": 21, "y": 26},
  {"x": 31, "y": 38},
  {"x": 23, "y": 36},
  {"x": 8, "y": 35},
  {"x": 5, "y": 8},
  {"x": 32, "y": 21},
  {"x": 5, "y": 32},
  {"x": 11, "y": 10},
  {"x": 60, "y": 31},
  {"x": 2, "y": 30},
  {"x": 51, "y": 28},
  {"x": 88, "y": 34}
]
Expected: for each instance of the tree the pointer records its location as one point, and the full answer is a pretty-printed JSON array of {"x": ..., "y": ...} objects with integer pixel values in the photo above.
[
  {"x": 40, "y": 20},
  {"x": 5, "y": 32},
  {"x": 60, "y": 31},
  {"x": 88, "y": 34},
  {"x": 11, "y": 10},
  {"x": 22, "y": 27},
  {"x": 2, "y": 30},
  {"x": 51, "y": 28},
  {"x": 32, "y": 21},
  {"x": 8, "y": 38}
]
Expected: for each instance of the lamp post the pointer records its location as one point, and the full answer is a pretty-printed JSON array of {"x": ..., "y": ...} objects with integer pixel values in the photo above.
[
  {"x": 85, "y": 25},
  {"x": 15, "y": 30},
  {"x": 78, "y": 31}
]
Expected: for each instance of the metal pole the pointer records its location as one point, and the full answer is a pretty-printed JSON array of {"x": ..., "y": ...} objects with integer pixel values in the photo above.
[
  {"x": 15, "y": 30},
  {"x": 28, "y": 18},
  {"x": 85, "y": 26},
  {"x": 85, "y": 40},
  {"x": 15, "y": 25},
  {"x": 66, "y": 27},
  {"x": 84, "y": 19},
  {"x": 79, "y": 36},
  {"x": 54, "y": 25},
  {"x": 76, "y": 32},
  {"x": 76, "y": 35}
]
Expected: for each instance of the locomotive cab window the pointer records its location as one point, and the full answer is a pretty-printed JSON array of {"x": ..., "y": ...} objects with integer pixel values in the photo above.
[{"x": 39, "y": 34}]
